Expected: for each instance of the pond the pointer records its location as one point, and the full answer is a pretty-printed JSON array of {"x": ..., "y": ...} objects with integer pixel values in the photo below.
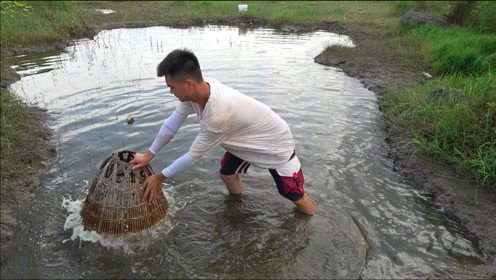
[{"x": 370, "y": 223}]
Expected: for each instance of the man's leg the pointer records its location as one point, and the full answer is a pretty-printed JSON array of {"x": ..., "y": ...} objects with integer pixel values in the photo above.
[
  {"x": 289, "y": 180},
  {"x": 305, "y": 205},
  {"x": 233, "y": 183},
  {"x": 231, "y": 166}
]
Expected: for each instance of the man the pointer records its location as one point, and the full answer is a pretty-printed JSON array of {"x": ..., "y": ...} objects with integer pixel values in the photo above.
[{"x": 249, "y": 131}]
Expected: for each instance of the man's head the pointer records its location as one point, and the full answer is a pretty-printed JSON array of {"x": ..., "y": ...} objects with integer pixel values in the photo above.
[
  {"x": 180, "y": 65},
  {"x": 182, "y": 73}
]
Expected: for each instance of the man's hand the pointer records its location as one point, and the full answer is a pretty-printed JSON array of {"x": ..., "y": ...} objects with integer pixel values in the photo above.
[
  {"x": 152, "y": 186},
  {"x": 141, "y": 160}
]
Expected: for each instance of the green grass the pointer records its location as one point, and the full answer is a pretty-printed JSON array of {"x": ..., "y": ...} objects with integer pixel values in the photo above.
[
  {"x": 46, "y": 22},
  {"x": 459, "y": 132},
  {"x": 296, "y": 11},
  {"x": 462, "y": 131},
  {"x": 22, "y": 136},
  {"x": 457, "y": 50},
  {"x": 11, "y": 120},
  {"x": 301, "y": 12},
  {"x": 485, "y": 16},
  {"x": 399, "y": 8},
  {"x": 12, "y": 130}
]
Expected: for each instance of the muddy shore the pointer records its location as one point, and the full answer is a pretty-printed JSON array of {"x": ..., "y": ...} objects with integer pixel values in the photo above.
[{"x": 378, "y": 67}]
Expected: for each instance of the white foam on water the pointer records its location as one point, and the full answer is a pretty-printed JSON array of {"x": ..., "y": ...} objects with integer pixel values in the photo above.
[{"x": 129, "y": 243}]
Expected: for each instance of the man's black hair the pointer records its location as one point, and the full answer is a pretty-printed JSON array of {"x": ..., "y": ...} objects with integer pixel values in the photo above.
[{"x": 180, "y": 64}]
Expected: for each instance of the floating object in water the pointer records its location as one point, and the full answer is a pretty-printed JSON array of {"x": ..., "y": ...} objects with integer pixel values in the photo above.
[
  {"x": 130, "y": 119},
  {"x": 114, "y": 205}
]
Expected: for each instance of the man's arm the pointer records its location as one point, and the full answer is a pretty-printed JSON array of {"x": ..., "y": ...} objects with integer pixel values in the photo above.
[
  {"x": 204, "y": 142},
  {"x": 167, "y": 131},
  {"x": 179, "y": 165},
  {"x": 165, "y": 134},
  {"x": 153, "y": 184}
]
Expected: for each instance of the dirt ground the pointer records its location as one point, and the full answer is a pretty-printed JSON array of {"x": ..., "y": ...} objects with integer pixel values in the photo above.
[{"x": 379, "y": 68}]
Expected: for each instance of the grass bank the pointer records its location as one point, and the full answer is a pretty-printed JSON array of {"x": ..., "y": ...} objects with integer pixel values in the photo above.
[
  {"x": 40, "y": 23},
  {"x": 457, "y": 124}
]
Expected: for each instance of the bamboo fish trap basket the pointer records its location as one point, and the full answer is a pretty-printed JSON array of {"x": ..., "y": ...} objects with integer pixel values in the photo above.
[{"x": 113, "y": 204}]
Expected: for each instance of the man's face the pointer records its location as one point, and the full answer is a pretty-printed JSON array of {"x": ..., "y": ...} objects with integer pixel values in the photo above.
[{"x": 181, "y": 90}]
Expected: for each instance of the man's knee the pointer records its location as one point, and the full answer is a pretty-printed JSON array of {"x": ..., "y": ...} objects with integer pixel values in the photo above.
[
  {"x": 227, "y": 178},
  {"x": 299, "y": 202},
  {"x": 233, "y": 183}
]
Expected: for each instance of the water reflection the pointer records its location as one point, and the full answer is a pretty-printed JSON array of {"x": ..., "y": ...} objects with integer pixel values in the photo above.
[{"x": 370, "y": 223}]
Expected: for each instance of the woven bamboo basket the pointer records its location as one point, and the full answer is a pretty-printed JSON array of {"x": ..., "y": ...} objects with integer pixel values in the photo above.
[{"x": 114, "y": 202}]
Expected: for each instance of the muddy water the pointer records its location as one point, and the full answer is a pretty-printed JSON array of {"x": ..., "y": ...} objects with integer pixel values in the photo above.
[{"x": 370, "y": 223}]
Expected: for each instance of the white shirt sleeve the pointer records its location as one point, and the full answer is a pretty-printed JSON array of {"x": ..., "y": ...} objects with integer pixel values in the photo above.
[
  {"x": 167, "y": 131},
  {"x": 204, "y": 143},
  {"x": 179, "y": 165}
]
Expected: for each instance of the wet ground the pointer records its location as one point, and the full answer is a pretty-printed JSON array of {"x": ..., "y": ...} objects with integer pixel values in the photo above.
[{"x": 379, "y": 70}]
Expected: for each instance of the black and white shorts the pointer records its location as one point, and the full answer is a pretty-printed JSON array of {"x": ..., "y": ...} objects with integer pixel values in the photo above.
[{"x": 288, "y": 178}]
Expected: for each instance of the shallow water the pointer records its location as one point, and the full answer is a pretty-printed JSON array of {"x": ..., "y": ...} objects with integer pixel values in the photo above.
[{"x": 370, "y": 223}]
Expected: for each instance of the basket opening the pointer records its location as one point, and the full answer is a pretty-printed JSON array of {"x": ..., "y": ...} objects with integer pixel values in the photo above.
[
  {"x": 119, "y": 178},
  {"x": 109, "y": 171},
  {"x": 126, "y": 156},
  {"x": 142, "y": 173}
]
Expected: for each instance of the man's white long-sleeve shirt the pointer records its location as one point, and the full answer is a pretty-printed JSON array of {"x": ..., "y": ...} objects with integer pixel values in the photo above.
[{"x": 243, "y": 126}]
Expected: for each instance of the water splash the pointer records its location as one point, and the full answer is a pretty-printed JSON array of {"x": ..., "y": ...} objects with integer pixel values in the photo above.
[{"x": 130, "y": 243}]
